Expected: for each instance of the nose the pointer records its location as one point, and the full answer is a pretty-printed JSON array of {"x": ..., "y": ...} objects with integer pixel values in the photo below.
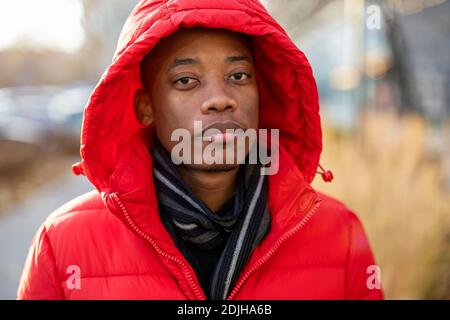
[{"x": 218, "y": 99}]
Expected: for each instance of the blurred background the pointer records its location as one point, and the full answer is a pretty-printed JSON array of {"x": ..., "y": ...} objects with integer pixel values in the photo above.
[{"x": 383, "y": 71}]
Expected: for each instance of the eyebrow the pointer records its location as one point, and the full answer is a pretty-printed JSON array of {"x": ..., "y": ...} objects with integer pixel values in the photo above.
[
  {"x": 183, "y": 62},
  {"x": 238, "y": 58},
  {"x": 190, "y": 61}
]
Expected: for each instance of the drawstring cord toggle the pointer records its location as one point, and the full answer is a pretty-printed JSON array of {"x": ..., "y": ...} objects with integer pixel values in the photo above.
[{"x": 327, "y": 175}]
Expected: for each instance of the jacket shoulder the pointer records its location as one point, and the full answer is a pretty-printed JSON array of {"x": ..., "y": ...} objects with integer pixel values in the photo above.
[
  {"x": 88, "y": 201},
  {"x": 339, "y": 224},
  {"x": 336, "y": 210},
  {"x": 81, "y": 207},
  {"x": 362, "y": 274}
]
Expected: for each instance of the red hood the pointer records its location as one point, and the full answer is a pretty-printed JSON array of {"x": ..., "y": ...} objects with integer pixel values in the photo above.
[{"x": 289, "y": 101}]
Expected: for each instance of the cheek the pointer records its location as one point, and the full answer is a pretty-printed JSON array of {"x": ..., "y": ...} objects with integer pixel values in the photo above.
[
  {"x": 171, "y": 112},
  {"x": 250, "y": 106}
]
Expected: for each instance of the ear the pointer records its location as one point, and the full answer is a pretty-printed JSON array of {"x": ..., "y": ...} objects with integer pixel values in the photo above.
[{"x": 143, "y": 107}]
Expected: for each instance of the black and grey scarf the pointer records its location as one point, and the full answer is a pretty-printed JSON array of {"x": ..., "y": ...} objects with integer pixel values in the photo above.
[{"x": 237, "y": 227}]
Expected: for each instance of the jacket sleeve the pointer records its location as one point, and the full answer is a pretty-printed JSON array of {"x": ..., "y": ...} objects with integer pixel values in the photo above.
[
  {"x": 363, "y": 276},
  {"x": 39, "y": 279}
]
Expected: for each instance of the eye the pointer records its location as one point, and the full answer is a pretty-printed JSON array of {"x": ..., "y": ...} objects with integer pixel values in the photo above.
[
  {"x": 185, "y": 83},
  {"x": 239, "y": 76},
  {"x": 185, "y": 80}
]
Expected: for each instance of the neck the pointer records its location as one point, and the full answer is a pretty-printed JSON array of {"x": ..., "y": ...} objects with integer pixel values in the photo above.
[{"x": 213, "y": 188}]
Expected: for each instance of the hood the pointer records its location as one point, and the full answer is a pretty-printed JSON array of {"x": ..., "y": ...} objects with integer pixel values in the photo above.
[{"x": 111, "y": 133}]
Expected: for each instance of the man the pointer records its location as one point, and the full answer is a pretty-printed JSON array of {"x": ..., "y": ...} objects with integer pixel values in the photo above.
[{"x": 161, "y": 225}]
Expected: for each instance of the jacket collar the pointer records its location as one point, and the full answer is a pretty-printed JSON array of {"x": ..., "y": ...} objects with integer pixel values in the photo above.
[{"x": 132, "y": 182}]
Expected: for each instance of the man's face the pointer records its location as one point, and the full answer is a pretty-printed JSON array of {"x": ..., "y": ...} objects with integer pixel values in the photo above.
[{"x": 202, "y": 75}]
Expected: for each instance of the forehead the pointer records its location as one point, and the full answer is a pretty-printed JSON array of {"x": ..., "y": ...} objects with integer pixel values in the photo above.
[
  {"x": 190, "y": 38},
  {"x": 198, "y": 42}
]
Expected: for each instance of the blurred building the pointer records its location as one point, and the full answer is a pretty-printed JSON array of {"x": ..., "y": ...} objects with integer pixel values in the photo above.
[
  {"x": 401, "y": 64},
  {"x": 103, "y": 21}
]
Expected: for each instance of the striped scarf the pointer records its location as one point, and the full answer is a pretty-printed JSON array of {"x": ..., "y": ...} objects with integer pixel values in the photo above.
[{"x": 237, "y": 227}]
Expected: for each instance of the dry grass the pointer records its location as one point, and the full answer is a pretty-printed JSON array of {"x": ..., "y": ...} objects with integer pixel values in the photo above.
[{"x": 387, "y": 173}]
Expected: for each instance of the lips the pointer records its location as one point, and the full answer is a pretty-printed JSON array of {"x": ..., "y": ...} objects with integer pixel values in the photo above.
[{"x": 222, "y": 127}]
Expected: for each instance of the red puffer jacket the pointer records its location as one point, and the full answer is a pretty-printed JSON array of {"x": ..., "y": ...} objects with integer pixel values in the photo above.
[{"x": 111, "y": 244}]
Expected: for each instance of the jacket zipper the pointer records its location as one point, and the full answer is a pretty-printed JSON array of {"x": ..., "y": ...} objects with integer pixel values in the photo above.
[
  {"x": 274, "y": 248},
  {"x": 186, "y": 270}
]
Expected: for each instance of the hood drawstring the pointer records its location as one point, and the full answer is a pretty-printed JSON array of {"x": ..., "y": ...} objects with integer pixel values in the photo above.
[
  {"x": 327, "y": 175},
  {"x": 78, "y": 168}
]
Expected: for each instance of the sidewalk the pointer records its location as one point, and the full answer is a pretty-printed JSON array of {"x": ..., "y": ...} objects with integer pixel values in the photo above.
[{"x": 19, "y": 223}]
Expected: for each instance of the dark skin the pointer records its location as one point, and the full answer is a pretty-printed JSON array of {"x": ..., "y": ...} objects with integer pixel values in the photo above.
[{"x": 206, "y": 75}]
